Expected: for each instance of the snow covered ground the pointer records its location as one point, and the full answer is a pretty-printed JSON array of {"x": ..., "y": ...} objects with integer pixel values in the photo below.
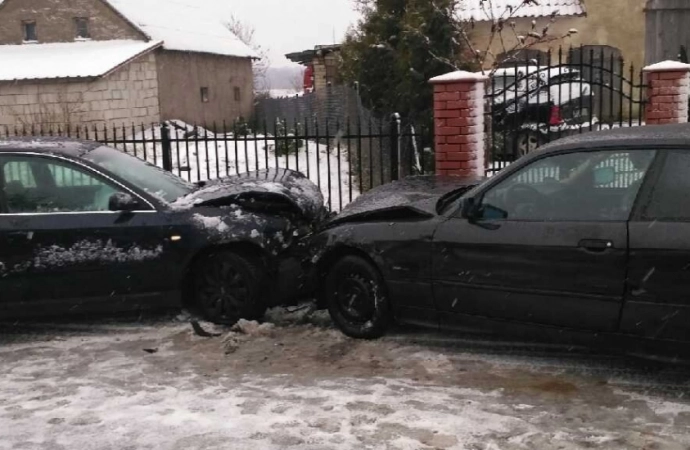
[
  {"x": 199, "y": 154},
  {"x": 304, "y": 385}
]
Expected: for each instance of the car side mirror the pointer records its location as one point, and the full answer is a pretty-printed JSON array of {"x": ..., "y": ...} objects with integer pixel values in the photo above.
[
  {"x": 121, "y": 201},
  {"x": 469, "y": 208}
]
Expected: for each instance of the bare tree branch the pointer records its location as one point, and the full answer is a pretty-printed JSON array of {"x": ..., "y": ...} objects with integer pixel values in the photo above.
[{"x": 247, "y": 34}]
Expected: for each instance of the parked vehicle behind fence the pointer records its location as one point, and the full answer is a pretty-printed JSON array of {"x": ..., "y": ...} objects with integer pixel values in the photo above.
[{"x": 531, "y": 105}]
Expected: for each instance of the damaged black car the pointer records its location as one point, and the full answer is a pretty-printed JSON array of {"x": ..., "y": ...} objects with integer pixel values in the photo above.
[
  {"x": 587, "y": 238},
  {"x": 85, "y": 227}
]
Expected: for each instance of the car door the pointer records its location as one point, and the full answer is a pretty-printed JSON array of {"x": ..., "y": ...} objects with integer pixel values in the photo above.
[
  {"x": 14, "y": 288},
  {"x": 67, "y": 248},
  {"x": 657, "y": 301},
  {"x": 547, "y": 243}
]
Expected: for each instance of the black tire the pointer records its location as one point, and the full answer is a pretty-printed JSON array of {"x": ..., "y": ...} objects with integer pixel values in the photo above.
[
  {"x": 229, "y": 287},
  {"x": 357, "y": 298}
]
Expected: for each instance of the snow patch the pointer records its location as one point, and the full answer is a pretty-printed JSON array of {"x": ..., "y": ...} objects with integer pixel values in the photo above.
[
  {"x": 211, "y": 223},
  {"x": 88, "y": 252},
  {"x": 228, "y": 155},
  {"x": 68, "y": 60},
  {"x": 668, "y": 66},
  {"x": 460, "y": 75},
  {"x": 184, "y": 26}
]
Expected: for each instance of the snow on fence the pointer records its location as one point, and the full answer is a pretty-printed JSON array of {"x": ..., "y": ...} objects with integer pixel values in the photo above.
[{"x": 342, "y": 161}]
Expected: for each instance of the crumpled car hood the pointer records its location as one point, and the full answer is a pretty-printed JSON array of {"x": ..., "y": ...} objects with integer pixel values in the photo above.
[
  {"x": 284, "y": 184},
  {"x": 415, "y": 195}
]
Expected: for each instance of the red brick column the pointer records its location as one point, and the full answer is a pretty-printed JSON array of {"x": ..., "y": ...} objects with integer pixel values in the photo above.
[
  {"x": 459, "y": 123},
  {"x": 668, "y": 86}
]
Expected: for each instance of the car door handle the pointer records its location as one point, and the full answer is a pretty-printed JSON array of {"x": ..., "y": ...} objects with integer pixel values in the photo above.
[{"x": 596, "y": 245}]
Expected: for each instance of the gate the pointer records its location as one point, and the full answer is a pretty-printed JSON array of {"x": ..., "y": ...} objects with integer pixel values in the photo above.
[{"x": 532, "y": 102}]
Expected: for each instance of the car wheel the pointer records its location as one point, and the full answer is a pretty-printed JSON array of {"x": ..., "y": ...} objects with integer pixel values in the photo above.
[
  {"x": 229, "y": 287},
  {"x": 357, "y": 299}
]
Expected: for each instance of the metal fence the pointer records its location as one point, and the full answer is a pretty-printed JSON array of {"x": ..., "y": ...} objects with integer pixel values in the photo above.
[
  {"x": 533, "y": 102},
  {"x": 344, "y": 160}
]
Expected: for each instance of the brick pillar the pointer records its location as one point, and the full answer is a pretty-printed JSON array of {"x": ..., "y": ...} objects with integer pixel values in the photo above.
[
  {"x": 668, "y": 86},
  {"x": 459, "y": 123}
]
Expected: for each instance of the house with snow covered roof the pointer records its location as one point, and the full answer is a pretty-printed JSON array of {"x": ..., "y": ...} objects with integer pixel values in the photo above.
[
  {"x": 617, "y": 26},
  {"x": 120, "y": 62}
]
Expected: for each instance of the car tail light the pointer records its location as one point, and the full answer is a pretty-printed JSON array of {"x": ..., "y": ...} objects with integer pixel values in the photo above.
[{"x": 556, "y": 118}]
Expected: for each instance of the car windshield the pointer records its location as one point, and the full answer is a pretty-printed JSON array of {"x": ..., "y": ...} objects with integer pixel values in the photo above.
[{"x": 141, "y": 174}]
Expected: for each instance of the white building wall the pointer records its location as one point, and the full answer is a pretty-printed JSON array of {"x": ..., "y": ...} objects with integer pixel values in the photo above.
[{"x": 129, "y": 95}]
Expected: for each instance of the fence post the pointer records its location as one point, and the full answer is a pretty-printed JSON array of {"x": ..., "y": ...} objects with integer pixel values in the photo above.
[
  {"x": 459, "y": 124},
  {"x": 668, "y": 86},
  {"x": 395, "y": 146},
  {"x": 166, "y": 147}
]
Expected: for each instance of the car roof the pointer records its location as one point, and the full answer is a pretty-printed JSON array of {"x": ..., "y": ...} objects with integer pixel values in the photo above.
[
  {"x": 74, "y": 148},
  {"x": 648, "y": 137}
]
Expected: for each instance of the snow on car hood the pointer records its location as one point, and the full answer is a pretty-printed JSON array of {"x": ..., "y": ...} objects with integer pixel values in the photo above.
[
  {"x": 285, "y": 184},
  {"x": 416, "y": 195}
]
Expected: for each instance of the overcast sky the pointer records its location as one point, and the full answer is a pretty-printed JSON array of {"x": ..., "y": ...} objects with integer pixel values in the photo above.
[{"x": 285, "y": 26}]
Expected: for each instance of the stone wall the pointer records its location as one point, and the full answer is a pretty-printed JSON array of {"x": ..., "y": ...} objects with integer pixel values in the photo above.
[
  {"x": 55, "y": 20},
  {"x": 128, "y": 95},
  {"x": 182, "y": 75}
]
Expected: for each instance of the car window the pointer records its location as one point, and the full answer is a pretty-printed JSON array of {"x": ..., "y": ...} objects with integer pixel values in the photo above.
[
  {"x": 42, "y": 185},
  {"x": 670, "y": 197},
  {"x": 141, "y": 174},
  {"x": 584, "y": 186},
  {"x": 19, "y": 172}
]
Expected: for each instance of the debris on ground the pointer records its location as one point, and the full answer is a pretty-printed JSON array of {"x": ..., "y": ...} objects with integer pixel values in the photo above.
[
  {"x": 253, "y": 328},
  {"x": 201, "y": 332},
  {"x": 303, "y": 314}
]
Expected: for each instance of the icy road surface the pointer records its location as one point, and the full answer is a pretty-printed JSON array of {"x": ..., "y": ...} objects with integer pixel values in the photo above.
[{"x": 156, "y": 385}]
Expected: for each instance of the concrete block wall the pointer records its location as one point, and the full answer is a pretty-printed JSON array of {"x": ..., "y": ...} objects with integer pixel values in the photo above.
[{"x": 128, "y": 95}]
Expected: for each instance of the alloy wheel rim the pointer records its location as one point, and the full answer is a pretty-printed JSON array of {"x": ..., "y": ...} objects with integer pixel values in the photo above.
[
  {"x": 355, "y": 299},
  {"x": 224, "y": 291}
]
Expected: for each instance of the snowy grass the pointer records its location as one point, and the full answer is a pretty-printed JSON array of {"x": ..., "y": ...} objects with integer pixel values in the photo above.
[{"x": 199, "y": 155}]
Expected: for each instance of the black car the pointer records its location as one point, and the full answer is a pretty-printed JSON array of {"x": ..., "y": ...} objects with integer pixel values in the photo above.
[
  {"x": 532, "y": 105},
  {"x": 589, "y": 235},
  {"x": 84, "y": 226}
]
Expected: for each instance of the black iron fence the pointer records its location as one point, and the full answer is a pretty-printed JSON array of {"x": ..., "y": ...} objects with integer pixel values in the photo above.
[
  {"x": 343, "y": 159},
  {"x": 531, "y": 102}
]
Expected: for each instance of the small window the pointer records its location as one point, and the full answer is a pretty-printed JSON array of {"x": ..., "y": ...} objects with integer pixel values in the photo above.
[
  {"x": 29, "y": 28},
  {"x": 584, "y": 186},
  {"x": 204, "y": 95},
  {"x": 238, "y": 94},
  {"x": 81, "y": 25}
]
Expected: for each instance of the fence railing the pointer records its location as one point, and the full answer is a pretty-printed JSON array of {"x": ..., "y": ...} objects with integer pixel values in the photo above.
[
  {"x": 343, "y": 159},
  {"x": 533, "y": 102}
]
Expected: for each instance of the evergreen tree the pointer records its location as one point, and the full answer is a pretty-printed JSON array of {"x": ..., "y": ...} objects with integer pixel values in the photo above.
[{"x": 396, "y": 48}]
